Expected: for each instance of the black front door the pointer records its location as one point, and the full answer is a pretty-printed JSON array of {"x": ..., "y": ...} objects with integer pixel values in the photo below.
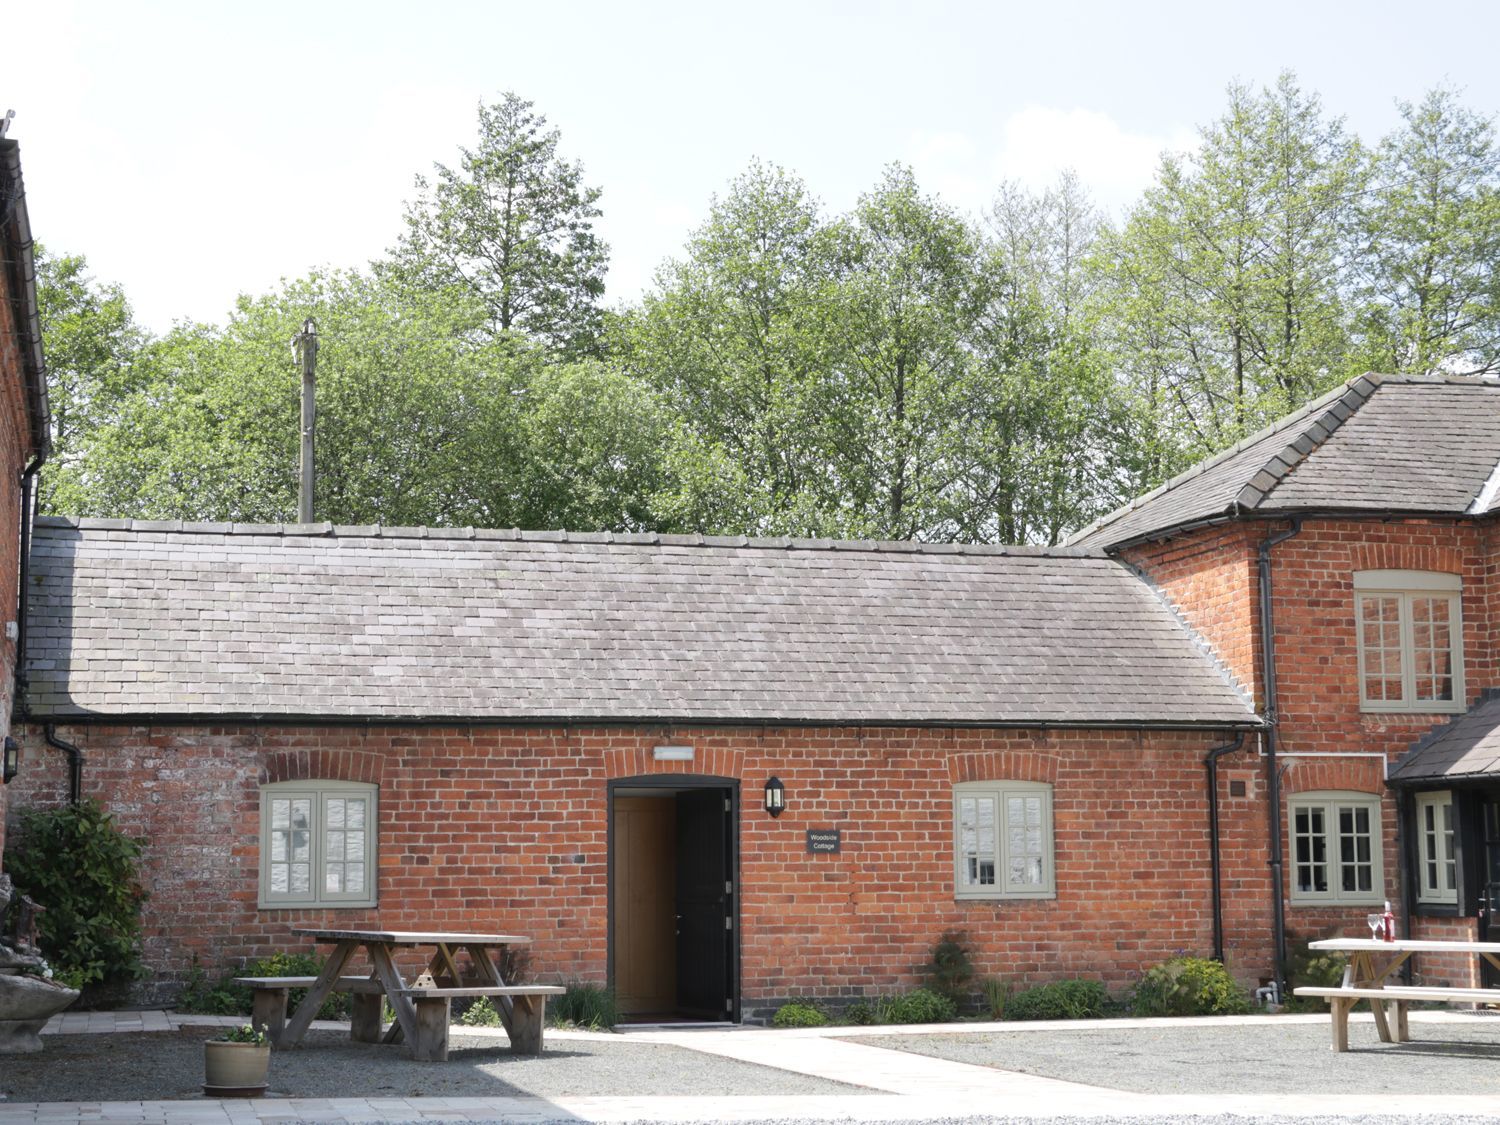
[
  {"x": 705, "y": 916},
  {"x": 1489, "y": 891}
]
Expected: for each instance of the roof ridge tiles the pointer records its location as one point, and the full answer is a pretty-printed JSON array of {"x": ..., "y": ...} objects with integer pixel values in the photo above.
[{"x": 617, "y": 538}]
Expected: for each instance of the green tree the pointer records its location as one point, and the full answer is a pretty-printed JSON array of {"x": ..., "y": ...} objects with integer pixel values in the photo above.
[
  {"x": 91, "y": 342},
  {"x": 1225, "y": 283},
  {"x": 730, "y": 338},
  {"x": 1429, "y": 287},
  {"x": 513, "y": 225}
]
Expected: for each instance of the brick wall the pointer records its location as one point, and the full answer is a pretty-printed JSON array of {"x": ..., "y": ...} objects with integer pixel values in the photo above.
[
  {"x": 506, "y": 828},
  {"x": 1210, "y": 576}
]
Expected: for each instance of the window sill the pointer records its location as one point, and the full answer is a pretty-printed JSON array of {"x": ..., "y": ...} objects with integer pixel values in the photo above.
[
  {"x": 1413, "y": 711},
  {"x": 342, "y": 905},
  {"x": 1041, "y": 896},
  {"x": 1336, "y": 903}
]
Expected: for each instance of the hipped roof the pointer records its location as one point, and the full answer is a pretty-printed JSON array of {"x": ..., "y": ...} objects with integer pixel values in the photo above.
[
  {"x": 207, "y": 620},
  {"x": 1409, "y": 445}
]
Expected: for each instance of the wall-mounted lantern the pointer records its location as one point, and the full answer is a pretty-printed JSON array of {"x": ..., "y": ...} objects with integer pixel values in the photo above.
[
  {"x": 12, "y": 759},
  {"x": 775, "y": 797}
]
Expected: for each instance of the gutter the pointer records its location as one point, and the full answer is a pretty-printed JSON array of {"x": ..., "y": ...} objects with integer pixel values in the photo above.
[
  {"x": 1211, "y": 768},
  {"x": 1272, "y": 720},
  {"x": 75, "y": 762}
]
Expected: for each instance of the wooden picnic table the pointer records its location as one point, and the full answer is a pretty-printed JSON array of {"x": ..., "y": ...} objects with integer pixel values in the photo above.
[
  {"x": 422, "y": 1006},
  {"x": 1372, "y": 965}
]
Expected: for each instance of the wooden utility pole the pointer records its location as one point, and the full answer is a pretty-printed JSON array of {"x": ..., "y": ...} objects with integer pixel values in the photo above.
[{"x": 305, "y": 348}]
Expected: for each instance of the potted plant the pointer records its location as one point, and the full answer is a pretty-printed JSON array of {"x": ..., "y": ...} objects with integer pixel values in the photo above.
[{"x": 235, "y": 1063}]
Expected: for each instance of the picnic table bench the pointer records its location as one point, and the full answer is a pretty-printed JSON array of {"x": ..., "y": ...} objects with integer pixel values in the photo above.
[
  {"x": 422, "y": 1008},
  {"x": 1365, "y": 978}
]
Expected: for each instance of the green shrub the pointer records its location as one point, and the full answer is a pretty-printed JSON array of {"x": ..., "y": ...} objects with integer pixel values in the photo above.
[
  {"x": 229, "y": 999},
  {"x": 1061, "y": 1000},
  {"x": 921, "y": 1005},
  {"x": 799, "y": 1014},
  {"x": 1311, "y": 966},
  {"x": 948, "y": 971},
  {"x": 1189, "y": 986},
  {"x": 585, "y": 1005},
  {"x": 480, "y": 1013},
  {"x": 861, "y": 1013},
  {"x": 74, "y": 862}
]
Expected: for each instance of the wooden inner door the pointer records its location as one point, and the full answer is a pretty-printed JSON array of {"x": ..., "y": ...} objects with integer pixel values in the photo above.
[{"x": 645, "y": 937}]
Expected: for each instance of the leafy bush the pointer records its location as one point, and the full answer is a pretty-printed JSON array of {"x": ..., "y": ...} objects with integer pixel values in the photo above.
[
  {"x": 1311, "y": 966},
  {"x": 1189, "y": 986},
  {"x": 74, "y": 862},
  {"x": 948, "y": 971},
  {"x": 1061, "y": 1000},
  {"x": 585, "y": 1005},
  {"x": 860, "y": 1013},
  {"x": 799, "y": 1014},
  {"x": 921, "y": 1005},
  {"x": 229, "y": 999},
  {"x": 481, "y": 1013}
]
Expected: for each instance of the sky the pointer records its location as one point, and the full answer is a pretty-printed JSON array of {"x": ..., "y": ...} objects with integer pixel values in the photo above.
[{"x": 196, "y": 151}]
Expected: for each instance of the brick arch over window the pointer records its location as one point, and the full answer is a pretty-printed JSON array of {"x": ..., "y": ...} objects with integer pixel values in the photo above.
[
  {"x": 322, "y": 765},
  {"x": 1349, "y": 775},
  {"x": 1408, "y": 556},
  {"x": 1003, "y": 765},
  {"x": 708, "y": 761}
]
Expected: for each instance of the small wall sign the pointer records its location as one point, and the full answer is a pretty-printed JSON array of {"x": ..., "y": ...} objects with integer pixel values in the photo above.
[{"x": 823, "y": 839}]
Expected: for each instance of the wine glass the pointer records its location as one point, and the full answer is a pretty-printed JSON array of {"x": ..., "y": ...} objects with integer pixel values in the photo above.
[{"x": 1376, "y": 922}]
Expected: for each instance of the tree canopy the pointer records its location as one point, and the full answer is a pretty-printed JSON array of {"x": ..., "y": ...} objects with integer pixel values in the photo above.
[{"x": 900, "y": 370}]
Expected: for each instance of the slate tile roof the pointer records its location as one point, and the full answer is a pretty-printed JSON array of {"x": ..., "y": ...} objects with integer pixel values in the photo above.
[
  {"x": 1468, "y": 746},
  {"x": 159, "y": 619},
  {"x": 1418, "y": 445}
]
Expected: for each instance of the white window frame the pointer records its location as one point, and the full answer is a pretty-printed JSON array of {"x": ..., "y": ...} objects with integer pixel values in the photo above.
[
  {"x": 1331, "y": 803},
  {"x": 319, "y": 793},
  {"x": 1404, "y": 585},
  {"x": 1003, "y": 888},
  {"x": 1435, "y": 834}
]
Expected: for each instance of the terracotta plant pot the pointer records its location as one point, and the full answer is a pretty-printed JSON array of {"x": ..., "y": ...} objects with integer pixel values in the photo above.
[{"x": 235, "y": 1069}]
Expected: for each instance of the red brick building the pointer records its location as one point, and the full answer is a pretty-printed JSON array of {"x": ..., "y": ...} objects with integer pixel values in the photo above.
[
  {"x": 1085, "y": 759},
  {"x": 23, "y": 411}
]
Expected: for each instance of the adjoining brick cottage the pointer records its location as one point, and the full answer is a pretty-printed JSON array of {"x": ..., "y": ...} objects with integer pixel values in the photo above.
[
  {"x": 1363, "y": 525},
  {"x": 24, "y": 418},
  {"x": 570, "y": 737}
]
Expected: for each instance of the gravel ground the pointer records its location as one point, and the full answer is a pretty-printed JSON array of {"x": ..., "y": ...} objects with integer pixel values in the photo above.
[
  {"x": 169, "y": 1065},
  {"x": 1454, "y": 1058}
]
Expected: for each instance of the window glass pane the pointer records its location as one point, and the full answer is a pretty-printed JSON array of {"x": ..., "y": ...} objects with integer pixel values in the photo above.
[
  {"x": 301, "y": 878},
  {"x": 317, "y": 845},
  {"x": 976, "y": 834},
  {"x": 1309, "y": 845},
  {"x": 1023, "y": 824}
]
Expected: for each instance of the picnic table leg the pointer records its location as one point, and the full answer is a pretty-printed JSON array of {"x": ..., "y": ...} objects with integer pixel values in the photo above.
[
  {"x": 526, "y": 1022},
  {"x": 1365, "y": 976},
  {"x": 1339, "y": 1008},
  {"x": 1403, "y": 1034},
  {"x": 430, "y": 1043},
  {"x": 385, "y": 969},
  {"x": 268, "y": 1012},
  {"x": 364, "y": 1017},
  {"x": 307, "y": 1011},
  {"x": 490, "y": 972}
]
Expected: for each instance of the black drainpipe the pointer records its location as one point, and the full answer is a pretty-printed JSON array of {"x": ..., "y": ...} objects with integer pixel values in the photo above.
[
  {"x": 1273, "y": 778},
  {"x": 75, "y": 762},
  {"x": 1211, "y": 767}
]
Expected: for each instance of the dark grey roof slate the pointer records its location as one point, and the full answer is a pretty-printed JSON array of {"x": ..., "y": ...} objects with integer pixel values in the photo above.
[
  {"x": 1412, "y": 444},
  {"x": 1469, "y": 746},
  {"x": 188, "y": 620}
]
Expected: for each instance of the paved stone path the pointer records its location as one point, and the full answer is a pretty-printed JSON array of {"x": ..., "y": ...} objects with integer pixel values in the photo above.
[{"x": 914, "y": 1087}]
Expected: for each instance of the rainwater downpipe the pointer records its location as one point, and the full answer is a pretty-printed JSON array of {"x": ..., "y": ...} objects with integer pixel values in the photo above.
[
  {"x": 1211, "y": 767},
  {"x": 1273, "y": 778}
]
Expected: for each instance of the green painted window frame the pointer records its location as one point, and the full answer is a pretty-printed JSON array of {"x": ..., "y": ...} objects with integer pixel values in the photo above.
[
  {"x": 1330, "y": 805},
  {"x": 1001, "y": 794},
  {"x": 1404, "y": 588},
  {"x": 1437, "y": 853},
  {"x": 319, "y": 794}
]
